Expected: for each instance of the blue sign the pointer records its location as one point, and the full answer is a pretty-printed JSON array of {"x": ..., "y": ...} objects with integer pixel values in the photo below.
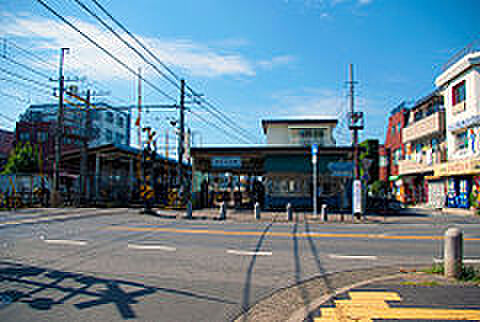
[
  {"x": 314, "y": 149},
  {"x": 341, "y": 169}
]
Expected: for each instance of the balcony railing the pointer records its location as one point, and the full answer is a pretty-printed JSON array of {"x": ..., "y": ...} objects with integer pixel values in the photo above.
[
  {"x": 412, "y": 167},
  {"x": 429, "y": 125}
]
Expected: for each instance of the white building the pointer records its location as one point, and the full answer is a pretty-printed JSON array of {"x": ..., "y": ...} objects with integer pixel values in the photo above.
[
  {"x": 460, "y": 85},
  {"x": 300, "y": 132}
]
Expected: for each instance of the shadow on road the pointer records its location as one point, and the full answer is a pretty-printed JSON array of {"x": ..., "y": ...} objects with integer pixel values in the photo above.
[
  {"x": 248, "y": 279},
  {"x": 298, "y": 266},
  {"x": 83, "y": 291},
  {"x": 320, "y": 268}
]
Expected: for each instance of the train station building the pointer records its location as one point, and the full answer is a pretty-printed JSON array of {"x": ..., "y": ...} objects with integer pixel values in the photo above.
[{"x": 278, "y": 172}]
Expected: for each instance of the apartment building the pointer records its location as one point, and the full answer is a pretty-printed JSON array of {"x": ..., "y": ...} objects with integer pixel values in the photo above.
[
  {"x": 395, "y": 150},
  {"x": 460, "y": 84},
  {"x": 425, "y": 147}
]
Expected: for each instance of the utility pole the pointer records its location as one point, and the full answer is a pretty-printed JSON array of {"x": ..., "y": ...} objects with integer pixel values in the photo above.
[
  {"x": 84, "y": 149},
  {"x": 356, "y": 124},
  {"x": 181, "y": 136},
  {"x": 59, "y": 132}
]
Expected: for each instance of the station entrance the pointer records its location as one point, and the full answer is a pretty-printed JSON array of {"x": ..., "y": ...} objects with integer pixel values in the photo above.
[{"x": 230, "y": 175}]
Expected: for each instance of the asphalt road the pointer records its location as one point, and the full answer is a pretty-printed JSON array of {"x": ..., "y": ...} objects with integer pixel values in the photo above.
[{"x": 108, "y": 266}]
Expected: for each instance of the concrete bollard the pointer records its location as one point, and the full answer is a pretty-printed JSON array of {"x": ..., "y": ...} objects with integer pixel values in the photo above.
[
  {"x": 324, "y": 213},
  {"x": 223, "y": 211},
  {"x": 189, "y": 214},
  {"x": 289, "y": 212},
  {"x": 453, "y": 253},
  {"x": 257, "y": 211}
]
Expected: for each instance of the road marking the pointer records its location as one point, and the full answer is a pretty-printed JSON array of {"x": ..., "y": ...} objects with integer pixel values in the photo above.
[
  {"x": 152, "y": 247},
  {"x": 281, "y": 234},
  {"x": 66, "y": 242},
  {"x": 352, "y": 256},
  {"x": 248, "y": 253},
  {"x": 370, "y": 306},
  {"x": 40, "y": 219},
  {"x": 465, "y": 260}
]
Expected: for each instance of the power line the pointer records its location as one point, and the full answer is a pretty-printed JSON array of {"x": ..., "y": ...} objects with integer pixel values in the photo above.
[
  {"x": 24, "y": 85},
  {"x": 7, "y": 118},
  {"x": 136, "y": 40},
  {"x": 245, "y": 133},
  {"x": 14, "y": 97},
  {"x": 29, "y": 53},
  {"x": 218, "y": 128},
  {"x": 108, "y": 53},
  {"x": 26, "y": 67},
  {"x": 103, "y": 23},
  {"x": 37, "y": 83}
]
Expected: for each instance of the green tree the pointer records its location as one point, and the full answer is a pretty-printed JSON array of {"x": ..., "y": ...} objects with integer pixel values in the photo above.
[{"x": 23, "y": 159}]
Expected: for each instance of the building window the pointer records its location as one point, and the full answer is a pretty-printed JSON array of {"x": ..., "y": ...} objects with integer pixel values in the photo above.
[
  {"x": 120, "y": 122},
  {"x": 42, "y": 136},
  {"x": 397, "y": 156},
  {"x": 461, "y": 141},
  {"x": 109, "y": 117},
  {"x": 108, "y": 135},
  {"x": 119, "y": 138},
  {"x": 24, "y": 136},
  {"x": 458, "y": 93},
  {"x": 383, "y": 161}
]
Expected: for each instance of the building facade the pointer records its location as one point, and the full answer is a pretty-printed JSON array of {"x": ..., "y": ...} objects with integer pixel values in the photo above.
[
  {"x": 7, "y": 139},
  {"x": 395, "y": 149},
  {"x": 460, "y": 85},
  {"x": 425, "y": 147},
  {"x": 279, "y": 172}
]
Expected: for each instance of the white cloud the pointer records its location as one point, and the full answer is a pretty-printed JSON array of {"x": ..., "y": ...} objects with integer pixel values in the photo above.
[
  {"x": 192, "y": 58},
  {"x": 276, "y": 61}
]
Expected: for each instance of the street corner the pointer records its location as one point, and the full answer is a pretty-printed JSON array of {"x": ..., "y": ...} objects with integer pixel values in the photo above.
[{"x": 403, "y": 299}]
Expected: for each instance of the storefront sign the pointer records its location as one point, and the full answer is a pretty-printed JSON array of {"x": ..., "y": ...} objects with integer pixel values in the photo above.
[
  {"x": 341, "y": 169},
  {"x": 226, "y": 162},
  {"x": 460, "y": 167},
  {"x": 462, "y": 124}
]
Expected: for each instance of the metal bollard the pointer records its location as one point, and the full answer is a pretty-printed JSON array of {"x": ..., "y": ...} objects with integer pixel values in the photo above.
[
  {"x": 453, "y": 252},
  {"x": 223, "y": 211},
  {"x": 324, "y": 213},
  {"x": 289, "y": 212},
  {"x": 189, "y": 215},
  {"x": 257, "y": 211}
]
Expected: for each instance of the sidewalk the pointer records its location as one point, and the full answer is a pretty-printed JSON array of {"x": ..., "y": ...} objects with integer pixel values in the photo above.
[{"x": 364, "y": 295}]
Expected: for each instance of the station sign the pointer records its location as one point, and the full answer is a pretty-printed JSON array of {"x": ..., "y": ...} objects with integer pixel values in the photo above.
[
  {"x": 226, "y": 162},
  {"x": 341, "y": 169}
]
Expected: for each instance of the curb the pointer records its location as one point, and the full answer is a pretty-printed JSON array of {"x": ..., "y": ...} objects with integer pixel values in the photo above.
[
  {"x": 287, "y": 304},
  {"x": 302, "y": 314}
]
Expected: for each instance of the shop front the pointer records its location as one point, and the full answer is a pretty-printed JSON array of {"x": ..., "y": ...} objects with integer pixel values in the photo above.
[{"x": 461, "y": 179}]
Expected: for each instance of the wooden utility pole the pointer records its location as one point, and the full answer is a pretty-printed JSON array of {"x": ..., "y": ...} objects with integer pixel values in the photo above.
[{"x": 59, "y": 133}]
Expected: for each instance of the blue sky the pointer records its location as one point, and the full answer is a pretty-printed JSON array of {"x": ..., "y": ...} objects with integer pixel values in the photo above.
[{"x": 253, "y": 59}]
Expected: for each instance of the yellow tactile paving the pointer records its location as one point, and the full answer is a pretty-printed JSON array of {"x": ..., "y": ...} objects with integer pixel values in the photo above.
[{"x": 367, "y": 306}]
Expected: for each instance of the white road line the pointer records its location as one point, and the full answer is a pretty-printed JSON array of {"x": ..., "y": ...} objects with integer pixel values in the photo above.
[
  {"x": 152, "y": 247},
  {"x": 352, "y": 256},
  {"x": 66, "y": 242},
  {"x": 465, "y": 260},
  {"x": 248, "y": 253}
]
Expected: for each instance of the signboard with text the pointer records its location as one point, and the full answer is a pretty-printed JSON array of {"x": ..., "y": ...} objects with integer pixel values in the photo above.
[{"x": 226, "y": 162}]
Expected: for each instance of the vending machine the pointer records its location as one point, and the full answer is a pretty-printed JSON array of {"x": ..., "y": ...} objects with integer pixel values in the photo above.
[
  {"x": 452, "y": 193},
  {"x": 463, "y": 194}
]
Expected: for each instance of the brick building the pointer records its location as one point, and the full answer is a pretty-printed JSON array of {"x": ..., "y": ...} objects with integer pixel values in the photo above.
[{"x": 397, "y": 120}]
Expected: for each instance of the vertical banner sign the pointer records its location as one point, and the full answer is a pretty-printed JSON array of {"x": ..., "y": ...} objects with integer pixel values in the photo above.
[{"x": 357, "y": 197}]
